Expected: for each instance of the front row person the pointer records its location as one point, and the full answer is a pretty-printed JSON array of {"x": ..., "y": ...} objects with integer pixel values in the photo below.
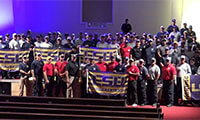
[
  {"x": 48, "y": 71},
  {"x": 60, "y": 76},
  {"x": 154, "y": 75},
  {"x": 24, "y": 79},
  {"x": 37, "y": 74},
  {"x": 168, "y": 76},
  {"x": 134, "y": 72}
]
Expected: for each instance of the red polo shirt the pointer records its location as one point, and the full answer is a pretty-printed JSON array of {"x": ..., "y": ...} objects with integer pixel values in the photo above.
[
  {"x": 48, "y": 68},
  {"x": 102, "y": 66},
  {"x": 168, "y": 72},
  {"x": 60, "y": 66},
  {"x": 126, "y": 51},
  {"x": 133, "y": 69},
  {"x": 111, "y": 66}
]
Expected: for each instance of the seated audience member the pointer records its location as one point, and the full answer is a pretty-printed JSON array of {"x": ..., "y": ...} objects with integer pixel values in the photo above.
[
  {"x": 89, "y": 43},
  {"x": 173, "y": 25},
  {"x": 120, "y": 67},
  {"x": 102, "y": 43},
  {"x": 101, "y": 64},
  {"x": 111, "y": 66},
  {"x": 46, "y": 43}
]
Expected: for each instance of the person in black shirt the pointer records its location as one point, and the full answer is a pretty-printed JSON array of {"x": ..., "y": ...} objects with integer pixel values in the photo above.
[
  {"x": 184, "y": 28},
  {"x": 24, "y": 70},
  {"x": 170, "y": 27},
  {"x": 136, "y": 52},
  {"x": 89, "y": 42},
  {"x": 126, "y": 27},
  {"x": 37, "y": 74},
  {"x": 58, "y": 44},
  {"x": 120, "y": 67},
  {"x": 71, "y": 71}
]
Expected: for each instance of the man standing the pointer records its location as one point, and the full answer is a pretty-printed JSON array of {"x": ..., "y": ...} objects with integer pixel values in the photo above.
[
  {"x": 170, "y": 27},
  {"x": 14, "y": 43},
  {"x": 24, "y": 70},
  {"x": 101, "y": 64},
  {"x": 134, "y": 72},
  {"x": 141, "y": 83},
  {"x": 60, "y": 75},
  {"x": 168, "y": 76},
  {"x": 154, "y": 74},
  {"x": 71, "y": 71},
  {"x": 48, "y": 71},
  {"x": 126, "y": 27},
  {"x": 182, "y": 69},
  {"x": 37, "y": 74}
]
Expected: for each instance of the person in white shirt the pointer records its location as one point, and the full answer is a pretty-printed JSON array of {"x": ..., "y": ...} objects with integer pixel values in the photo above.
[
  {"x": 38, "y": 42},
  {"x": 182, "y": 69},
  {"x": 14, "y": 44},
  {"x": 102, "y": 43},
  {"x": 22, "y": 40},
  {"x": 46, "y": 43}
]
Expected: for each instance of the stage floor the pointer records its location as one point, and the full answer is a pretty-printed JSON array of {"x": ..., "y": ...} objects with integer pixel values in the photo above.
[{"x": 178, "y": 112}]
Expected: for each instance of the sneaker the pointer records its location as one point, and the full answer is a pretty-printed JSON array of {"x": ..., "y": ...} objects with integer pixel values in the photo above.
[
  {"x": 155, "y": 104},
  {"x": 134, "y": 105},
  {"x": 169, "y": 105}
]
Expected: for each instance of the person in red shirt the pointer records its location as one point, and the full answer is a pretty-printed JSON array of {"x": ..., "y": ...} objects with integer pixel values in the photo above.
[
  {"x": 60, "y": 75},
  {"x": 133, "y": 73},
  {"x": 111, "y": 66},
  {"x": 168, "y": 76},
  {"x": 48, "y": 72},
  {"x": 101, "y": 64},
  {"x": 125, "y": 51}
]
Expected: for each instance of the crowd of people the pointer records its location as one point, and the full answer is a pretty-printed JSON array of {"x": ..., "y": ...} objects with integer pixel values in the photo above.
[{"x": 147, "y": 59}]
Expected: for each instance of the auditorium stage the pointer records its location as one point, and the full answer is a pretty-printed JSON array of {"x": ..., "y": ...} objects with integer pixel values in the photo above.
[{"x": 178, "y": 112}]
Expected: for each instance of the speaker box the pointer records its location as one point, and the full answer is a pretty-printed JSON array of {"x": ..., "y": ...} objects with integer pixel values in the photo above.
[{"x": 5, "y": 88}]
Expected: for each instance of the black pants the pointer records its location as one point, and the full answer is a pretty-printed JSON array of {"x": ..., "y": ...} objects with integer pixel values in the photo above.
[
  {"x": 152, "y": 91},
  {"x": 60, "y": 85},
  {"x": 178, "y": 90},
  {"x": 83, "y": 87},
  {"x": 37, "y": 86},
  {"x": 132, "y": 92},
  {"x": 168, "y": 91},
  {"x": 49, "y": 86},
  {"x": 141, "y": 90}
]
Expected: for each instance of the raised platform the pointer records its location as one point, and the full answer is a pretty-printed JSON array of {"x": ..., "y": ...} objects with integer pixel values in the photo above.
[{"x": 72, "y": 109}]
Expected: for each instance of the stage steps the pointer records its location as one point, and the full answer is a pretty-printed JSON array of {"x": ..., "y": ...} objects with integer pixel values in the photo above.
[{"x": 76, "y": 110}]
